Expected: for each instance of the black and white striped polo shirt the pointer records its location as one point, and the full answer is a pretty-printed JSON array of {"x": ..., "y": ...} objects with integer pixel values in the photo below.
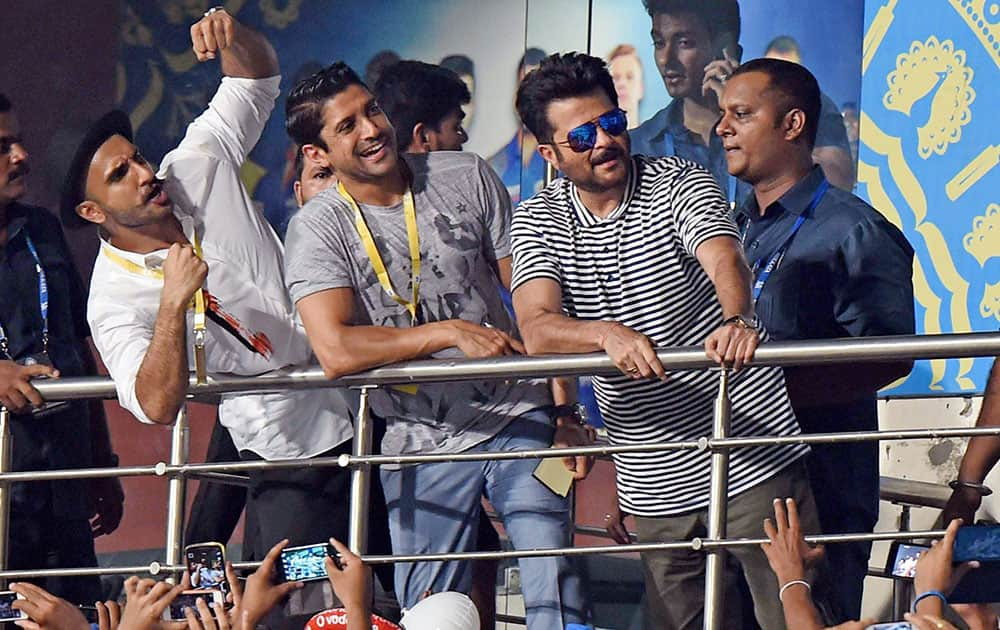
[{"x": 637, "y": 266}]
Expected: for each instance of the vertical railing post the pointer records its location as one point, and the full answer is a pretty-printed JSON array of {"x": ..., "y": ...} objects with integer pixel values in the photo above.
[
  {"x": 6, "y": 463},
  {"x": 176, "y": 490},
  {"x": 361, "y": 478},
  {"x": 715, "y": 562}
]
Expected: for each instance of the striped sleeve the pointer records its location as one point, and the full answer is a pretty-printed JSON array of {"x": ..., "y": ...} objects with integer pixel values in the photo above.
[
  {"x": 533, "y": 257},
  {"x": 700, "y": 209}
]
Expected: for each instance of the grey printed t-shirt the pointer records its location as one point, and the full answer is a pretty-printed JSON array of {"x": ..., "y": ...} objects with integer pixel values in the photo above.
[{"x": 463, "y": 218}]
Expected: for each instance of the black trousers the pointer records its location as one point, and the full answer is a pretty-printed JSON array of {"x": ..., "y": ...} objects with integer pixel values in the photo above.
[
  {"x": 309, "y": 505},
  {"x": 217, "y": 506}
]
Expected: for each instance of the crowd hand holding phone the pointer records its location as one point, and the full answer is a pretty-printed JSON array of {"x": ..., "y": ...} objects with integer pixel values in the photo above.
[
  {"x": 260, "y": 594},
  {"x": 351, "y": 582},
  {"x": 45, "y": 610},
  {"x": 145, "y": 601},
  {"x": 935, "y": 573},
  {"x": 790, "y": 557},
  {"x": 16, "y": 391}
]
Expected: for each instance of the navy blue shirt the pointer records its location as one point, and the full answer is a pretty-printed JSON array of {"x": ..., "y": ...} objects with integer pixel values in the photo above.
[
  {"x": 847, "y": 272},
  {"x": 60, "y": 439}
]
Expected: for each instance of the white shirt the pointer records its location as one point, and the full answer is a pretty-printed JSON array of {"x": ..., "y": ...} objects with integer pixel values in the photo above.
[{"x": 245, "y": 279}]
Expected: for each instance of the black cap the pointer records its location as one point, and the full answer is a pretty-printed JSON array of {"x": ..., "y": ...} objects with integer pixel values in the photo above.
[{"x": 114, "y": 123}]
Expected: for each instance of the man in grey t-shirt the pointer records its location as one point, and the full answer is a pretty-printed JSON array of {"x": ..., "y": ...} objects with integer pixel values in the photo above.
[{"x": 405, "y": 259}]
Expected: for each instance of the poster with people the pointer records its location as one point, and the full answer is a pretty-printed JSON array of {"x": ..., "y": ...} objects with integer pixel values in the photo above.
[{"x": 663, "y": 77}]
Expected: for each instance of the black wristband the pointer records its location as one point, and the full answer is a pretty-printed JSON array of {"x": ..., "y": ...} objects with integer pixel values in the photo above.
[{"x": 984, "y": 491}]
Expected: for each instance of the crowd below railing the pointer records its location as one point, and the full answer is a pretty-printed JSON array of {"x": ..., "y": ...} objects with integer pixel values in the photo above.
[{"x": 718, "y": 445}]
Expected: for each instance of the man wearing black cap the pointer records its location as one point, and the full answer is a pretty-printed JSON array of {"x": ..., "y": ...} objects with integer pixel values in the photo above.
[
  {"x": 43, "y": 334},
  {"x": 187, "y": 260}
]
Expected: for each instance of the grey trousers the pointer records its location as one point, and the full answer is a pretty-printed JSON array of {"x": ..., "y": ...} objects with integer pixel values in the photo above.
[{"x": 675, "y": 580}]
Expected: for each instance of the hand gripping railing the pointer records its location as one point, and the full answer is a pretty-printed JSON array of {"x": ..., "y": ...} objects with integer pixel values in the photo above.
[{"x": 879, "y": 349}]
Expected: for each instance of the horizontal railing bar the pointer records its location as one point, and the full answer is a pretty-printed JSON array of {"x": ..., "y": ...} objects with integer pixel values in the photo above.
[
  {"x": 807, "y": 352},
  {"x": 696, "y": 544},
  {"x": 913, "y": 492},
  {"x": 223, "y": 478},
  {"x": 346, "y": 460}
]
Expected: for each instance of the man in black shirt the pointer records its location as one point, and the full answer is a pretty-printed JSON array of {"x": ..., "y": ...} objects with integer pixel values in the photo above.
[{"x": 43, "y": 332}]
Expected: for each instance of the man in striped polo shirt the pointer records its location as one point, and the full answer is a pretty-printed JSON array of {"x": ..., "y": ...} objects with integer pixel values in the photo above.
[{"x": 625, "y": 255}]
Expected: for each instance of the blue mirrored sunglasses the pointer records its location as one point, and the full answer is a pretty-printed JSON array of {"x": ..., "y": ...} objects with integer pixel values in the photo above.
[{"x": 584, "y": 137}]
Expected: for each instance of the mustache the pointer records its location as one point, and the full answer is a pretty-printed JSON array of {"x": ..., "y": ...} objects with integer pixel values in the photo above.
[
  {"x": 611, "y": 153},
  {"x": 20, "y": 170},
  {"x": 154, "y": 189},
  {"x": 380, "y": 139}
]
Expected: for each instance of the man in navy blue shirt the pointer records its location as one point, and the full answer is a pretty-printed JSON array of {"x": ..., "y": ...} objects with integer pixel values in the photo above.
[
  {"x": 696, "y": 47},
  {"x": 43, "y": 329},
  {"x": 826, "y": 265}
]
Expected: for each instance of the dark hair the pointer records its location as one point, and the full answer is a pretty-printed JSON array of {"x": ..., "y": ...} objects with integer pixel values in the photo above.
[
  {"x": 300, "y": 163},
  {"x": 795, "y": 87},
  {"x": 784, "y": 44},
  {"x": 719, "y": 16},
  {"x": 459, "y": 64},
  {"x": 5, "y": 104},
  {"x": 304, "y": 107},
  {"x": 378, "y": 63},
  {"x": 412, "y": 92},
  {"x": 557, "y": 77}
]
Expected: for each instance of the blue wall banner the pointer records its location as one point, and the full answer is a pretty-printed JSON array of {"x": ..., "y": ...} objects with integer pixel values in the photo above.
[{"x": 928, "y": 161}]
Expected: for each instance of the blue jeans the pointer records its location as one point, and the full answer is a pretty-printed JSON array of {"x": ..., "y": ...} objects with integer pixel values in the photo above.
[{"x": 434, "y": 508}]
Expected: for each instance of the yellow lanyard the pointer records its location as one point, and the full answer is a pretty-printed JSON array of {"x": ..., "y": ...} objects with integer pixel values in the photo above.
[
  {"x": 410, "y": 216},
  {"x": 199, "y": 305}
]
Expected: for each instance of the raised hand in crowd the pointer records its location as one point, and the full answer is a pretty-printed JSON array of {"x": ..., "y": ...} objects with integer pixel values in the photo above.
[
  {"x": 261, "y": 594},
  {"x": 935, "y": 573},
  {"x": 790, "y": 557},
  {"x": 352, "y": 583},
  {"x": 45, "y": 610},
  {"x": 109, "y": 615},
  {"x": 16, "y": 392},
  {"x": 145, "y": 601}
]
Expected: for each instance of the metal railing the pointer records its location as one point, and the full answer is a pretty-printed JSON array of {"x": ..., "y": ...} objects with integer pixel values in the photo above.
[{"x": 717, "y": 445}]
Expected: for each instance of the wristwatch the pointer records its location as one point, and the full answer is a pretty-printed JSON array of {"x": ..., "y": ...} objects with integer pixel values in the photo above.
[
  {"x": 750, "y": 323},
  {"x": 576, "y": 411}
]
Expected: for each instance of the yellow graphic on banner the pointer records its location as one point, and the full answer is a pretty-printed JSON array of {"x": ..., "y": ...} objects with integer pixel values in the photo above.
[
  {"x": 280, "y": 18},
  {"x": 876, "y": 33},
  {"x": 990, "y": 306},
  {"x": 938, "y": 67},
  {"x": 941, "y": 260},
  {"x": 983, "y": 18},
  {"x": 983, "y": 242}
]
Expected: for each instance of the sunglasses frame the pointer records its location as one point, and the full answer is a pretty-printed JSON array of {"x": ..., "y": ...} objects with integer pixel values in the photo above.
[{"x": 584, "y": 137}]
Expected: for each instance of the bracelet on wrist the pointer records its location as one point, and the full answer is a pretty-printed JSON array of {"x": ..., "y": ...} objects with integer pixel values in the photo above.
[
  {"x": 925, "y": 595},
  {"x": 786, "y": 585},
  {"x": 983, "y": 490},
  {"x": 576, "y": 411}
]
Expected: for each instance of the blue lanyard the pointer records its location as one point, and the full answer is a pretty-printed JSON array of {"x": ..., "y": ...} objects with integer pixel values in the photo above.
[
  {"x": 762, "y": 275},
  {"x": 669, "y": 149},
  {"x": 43, "y": 300}
]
